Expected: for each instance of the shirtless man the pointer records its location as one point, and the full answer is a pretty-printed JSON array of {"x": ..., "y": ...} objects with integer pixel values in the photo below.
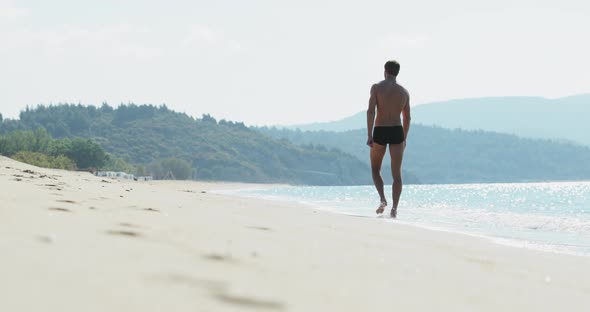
[{"x": 390, "y": 100}]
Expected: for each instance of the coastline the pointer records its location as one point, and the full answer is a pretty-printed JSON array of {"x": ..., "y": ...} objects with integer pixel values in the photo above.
[
  {"x": 515, "y": 242},
  {"x": 76, "y": 242}
]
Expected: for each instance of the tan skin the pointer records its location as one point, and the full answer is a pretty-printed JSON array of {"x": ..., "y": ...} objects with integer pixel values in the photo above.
[{"x": 388, "y": 102}]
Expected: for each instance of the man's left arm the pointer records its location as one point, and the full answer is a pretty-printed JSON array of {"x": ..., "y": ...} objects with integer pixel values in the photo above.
[{"x": 406, "y": 117}]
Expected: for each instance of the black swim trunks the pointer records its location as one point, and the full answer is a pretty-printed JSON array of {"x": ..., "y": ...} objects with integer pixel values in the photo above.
[{"x": 388, "y": 135}]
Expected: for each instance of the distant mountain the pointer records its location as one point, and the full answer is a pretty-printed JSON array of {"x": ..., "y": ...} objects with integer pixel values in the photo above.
[
  {"x": 561, "y": 119},
  {"x": 217, "y": 150},
  {"x": 437, "y": 155},
  {"x": 535, "y": 117}
]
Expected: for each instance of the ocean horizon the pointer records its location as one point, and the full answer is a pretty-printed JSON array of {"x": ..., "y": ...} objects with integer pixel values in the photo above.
[{"x": 547, "y": 216}]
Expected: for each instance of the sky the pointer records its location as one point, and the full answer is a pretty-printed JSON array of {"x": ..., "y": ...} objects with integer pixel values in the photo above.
[{"x": 286, "y": 62}]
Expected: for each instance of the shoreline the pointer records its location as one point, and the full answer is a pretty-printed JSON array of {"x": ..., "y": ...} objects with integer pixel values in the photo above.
[
  {"x": 540, "y": 246},
  {"x": 76, "y": 242}
]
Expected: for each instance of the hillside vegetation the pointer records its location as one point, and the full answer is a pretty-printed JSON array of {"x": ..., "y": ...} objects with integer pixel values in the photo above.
[
  {"x": 40, "y": 149},
  {"x": 146, "y": 135},
  {"x": 437, "y": 155}
]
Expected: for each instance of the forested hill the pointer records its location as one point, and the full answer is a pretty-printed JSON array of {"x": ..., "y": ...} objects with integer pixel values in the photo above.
[
  {"x": 217, "y": 150},
  {"x": 437, "y": 155}
]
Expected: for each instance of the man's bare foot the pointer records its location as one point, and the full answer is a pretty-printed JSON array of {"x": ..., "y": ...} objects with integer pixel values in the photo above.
[
  {"x": 393, "y": 213},
  {"x": 381, "y": 207}
]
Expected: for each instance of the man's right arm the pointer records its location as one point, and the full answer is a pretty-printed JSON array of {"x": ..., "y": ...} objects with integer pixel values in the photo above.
[
  {"x": 371, "y": 115},
  {"x": 407, "y": 117}
]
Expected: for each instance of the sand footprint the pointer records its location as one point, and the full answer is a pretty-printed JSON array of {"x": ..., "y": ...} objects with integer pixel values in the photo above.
[
  {"x": 219, "y": 257},
  {"x": 219, "y": 290},
  {"x": 124, "y": 233},
  {"x": 260, "y": 228},
  {"x": 67, "y": 201},
  {"x": 60, "y": 209},
  {"x": 249, "y": 302}
]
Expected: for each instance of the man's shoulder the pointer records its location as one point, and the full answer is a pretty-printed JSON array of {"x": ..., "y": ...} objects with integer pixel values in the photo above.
[
  {"x": 404, "y": 89},
  {"x": 377, "y": 85}
]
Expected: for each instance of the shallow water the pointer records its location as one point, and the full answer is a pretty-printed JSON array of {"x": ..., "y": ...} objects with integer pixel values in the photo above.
[{"x": 545, "y": 216}]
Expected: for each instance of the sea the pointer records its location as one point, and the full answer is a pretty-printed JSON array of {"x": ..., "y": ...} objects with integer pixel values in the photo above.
[{"x": 552, "y": 217}]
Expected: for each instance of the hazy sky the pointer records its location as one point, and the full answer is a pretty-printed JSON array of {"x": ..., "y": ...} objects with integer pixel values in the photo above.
[{"x": 279, "y": 62}]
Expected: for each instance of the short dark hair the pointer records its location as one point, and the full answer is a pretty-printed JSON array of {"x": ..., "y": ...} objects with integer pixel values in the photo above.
[{"x": 392, "y": 67}]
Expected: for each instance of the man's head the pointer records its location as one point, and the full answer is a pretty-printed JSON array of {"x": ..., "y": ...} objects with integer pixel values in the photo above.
[{"x": 392, "y": 68}]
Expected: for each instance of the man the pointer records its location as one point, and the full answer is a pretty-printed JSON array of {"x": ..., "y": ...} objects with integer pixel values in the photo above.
[{"x": 390, "y": 100}]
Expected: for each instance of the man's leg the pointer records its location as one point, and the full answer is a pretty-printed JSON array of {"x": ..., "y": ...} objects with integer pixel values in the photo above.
[
  {"x": 397, "y": 154},
  {"x": 377, "y": 153}
]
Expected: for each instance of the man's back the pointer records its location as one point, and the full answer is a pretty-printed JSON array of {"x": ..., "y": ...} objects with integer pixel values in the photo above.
[{"x": 391, "y": 100}]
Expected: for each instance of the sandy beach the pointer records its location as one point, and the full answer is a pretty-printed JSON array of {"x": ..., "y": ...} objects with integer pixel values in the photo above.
[{"x": 75, "y": 242}]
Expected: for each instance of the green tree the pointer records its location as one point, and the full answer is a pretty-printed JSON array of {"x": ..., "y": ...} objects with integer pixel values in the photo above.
[
  {"x": 117, "y": 164},
  {"x": 141, "y": 171},
  {"x": 45, "y": 161},
  {"x": 87, "y": 154}
]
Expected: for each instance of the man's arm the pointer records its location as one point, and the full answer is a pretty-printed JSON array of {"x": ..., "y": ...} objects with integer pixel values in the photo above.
[
  {"x": 371, "y": 115},
  {"x": 407, "y": 117}
]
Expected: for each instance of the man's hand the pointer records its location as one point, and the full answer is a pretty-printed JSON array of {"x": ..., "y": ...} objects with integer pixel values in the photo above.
[{"x": 370, "y": 141}]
